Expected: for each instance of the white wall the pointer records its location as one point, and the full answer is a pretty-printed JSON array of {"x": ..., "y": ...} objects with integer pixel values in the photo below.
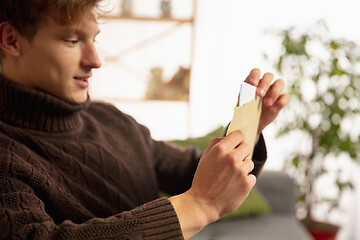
[
  {"x": 230, "y": 41},
  {"x": 241, "y": 44}
]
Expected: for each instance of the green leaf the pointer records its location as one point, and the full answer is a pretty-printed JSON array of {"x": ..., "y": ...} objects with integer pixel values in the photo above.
[{"x": 331, "y": 72}]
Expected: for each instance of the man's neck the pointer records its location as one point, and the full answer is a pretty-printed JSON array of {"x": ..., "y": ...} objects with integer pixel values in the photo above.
[{"x": 11, "y": 71}]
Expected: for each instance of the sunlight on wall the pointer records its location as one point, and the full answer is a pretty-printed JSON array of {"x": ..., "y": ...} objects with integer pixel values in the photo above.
[
  {"x": 245, "y": 37},
  {"x": 231, "y": 38}
]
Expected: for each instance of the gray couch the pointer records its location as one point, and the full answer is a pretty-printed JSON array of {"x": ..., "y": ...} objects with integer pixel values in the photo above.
[{"x": 279, "y": 189}]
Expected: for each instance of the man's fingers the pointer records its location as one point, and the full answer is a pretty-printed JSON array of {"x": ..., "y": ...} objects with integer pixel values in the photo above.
[
  {"x": 247, "y": 165},
  {"x": 252, "y": 179},
  {"x": 280, "y": 103},
  {"x": 264, "y": 84},
  {"x": 212, "y": 143},
  {"x": 233, "y": 139},
  {"x": 274, "y": 92},
  {"x": 254, "y": 77},
  {"x": 240, "y": 154}
]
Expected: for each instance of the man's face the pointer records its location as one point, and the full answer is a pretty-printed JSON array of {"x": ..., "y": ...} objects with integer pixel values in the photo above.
[{"x": 60, "y": 58}]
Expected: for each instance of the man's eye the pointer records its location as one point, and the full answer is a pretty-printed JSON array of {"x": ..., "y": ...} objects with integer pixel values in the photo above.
[{"x": 73, "y": 42}]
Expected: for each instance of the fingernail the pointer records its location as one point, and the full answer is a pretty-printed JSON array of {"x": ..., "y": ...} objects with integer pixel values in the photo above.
[
  {"x": 254, "y": 80},
  {"x": 262, "y": 92}
]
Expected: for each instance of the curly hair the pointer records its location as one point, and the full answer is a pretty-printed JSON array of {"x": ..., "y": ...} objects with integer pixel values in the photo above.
[{"x": 26, "y": 15}]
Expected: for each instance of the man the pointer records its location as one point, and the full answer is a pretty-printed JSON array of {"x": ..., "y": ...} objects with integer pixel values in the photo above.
[{"x": 74, "y": 169}]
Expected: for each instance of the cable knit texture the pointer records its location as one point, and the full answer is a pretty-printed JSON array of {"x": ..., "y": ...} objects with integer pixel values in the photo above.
[{"x": 84, "y": 171}]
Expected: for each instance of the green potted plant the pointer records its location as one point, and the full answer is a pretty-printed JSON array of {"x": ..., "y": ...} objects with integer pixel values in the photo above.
[{"x": 323, "y": 78}]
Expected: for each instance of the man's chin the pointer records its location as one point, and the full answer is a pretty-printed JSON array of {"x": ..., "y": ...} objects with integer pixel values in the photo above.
[{"x": 78, "y": 98}]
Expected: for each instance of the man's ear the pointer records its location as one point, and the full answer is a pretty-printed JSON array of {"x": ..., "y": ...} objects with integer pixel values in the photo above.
[{"x": 9, "y": 39}]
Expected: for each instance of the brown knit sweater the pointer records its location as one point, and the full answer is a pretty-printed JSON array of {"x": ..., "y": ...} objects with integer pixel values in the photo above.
[{"x": 85, "y": 171}]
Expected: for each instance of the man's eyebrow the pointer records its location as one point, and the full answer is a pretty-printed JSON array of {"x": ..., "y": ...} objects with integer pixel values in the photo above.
[{"x": 80, "y": 32}]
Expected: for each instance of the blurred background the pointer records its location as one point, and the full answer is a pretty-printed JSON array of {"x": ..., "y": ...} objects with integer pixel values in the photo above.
[{"x": 176, "y": 67}]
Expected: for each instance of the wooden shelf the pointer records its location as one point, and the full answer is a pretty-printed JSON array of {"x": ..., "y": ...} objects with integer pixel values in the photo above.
[
  {"x": 154, "y": 19},
  {"x": 169, "y": 24},
  {"x": 128, "y": 100}
]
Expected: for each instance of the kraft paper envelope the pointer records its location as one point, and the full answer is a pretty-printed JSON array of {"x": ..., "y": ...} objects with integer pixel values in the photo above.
[{"x": 247, "y": 118}]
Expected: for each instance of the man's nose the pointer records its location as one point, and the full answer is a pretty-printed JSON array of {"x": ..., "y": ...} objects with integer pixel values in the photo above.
[{"x": 90, "y": 58}]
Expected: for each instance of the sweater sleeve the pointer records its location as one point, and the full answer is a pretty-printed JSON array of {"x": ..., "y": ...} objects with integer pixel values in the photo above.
[
  {"x": 153, "y": 220},
  {"x": 259, "y": 156},
  {"x": 23, "y": 216},
  {"x": 23, "y": 213},
  {"x": 175, "y": 166}
]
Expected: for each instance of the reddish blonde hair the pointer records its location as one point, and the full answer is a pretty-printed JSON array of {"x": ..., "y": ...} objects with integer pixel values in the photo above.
[{"x": 26, "y": 15}]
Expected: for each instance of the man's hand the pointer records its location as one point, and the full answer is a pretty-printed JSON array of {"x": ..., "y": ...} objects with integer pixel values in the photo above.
[
  {"x": 220, "y": 185},
  {"x": 273, "y": 99},
  {"x": 222, "y": 180}
]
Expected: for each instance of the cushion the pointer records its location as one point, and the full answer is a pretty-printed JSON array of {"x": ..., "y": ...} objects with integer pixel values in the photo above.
[
  {"x": 201, "y": 142},
  {"x": 255, "y": 203}
]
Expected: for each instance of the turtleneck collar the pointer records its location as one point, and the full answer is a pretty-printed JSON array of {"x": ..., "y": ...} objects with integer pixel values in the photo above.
[{"x": 32, "y": 109}]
